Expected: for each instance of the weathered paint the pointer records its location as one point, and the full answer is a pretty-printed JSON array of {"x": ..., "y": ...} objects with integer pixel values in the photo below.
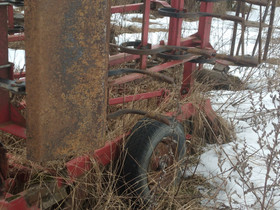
[
  {"x": 4, "y": 72},
  {"x": 66, "y": 61}
]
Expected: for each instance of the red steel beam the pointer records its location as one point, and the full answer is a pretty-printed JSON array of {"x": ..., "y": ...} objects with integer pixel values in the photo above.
[
  {"x": 10, "y": 16},
  {"x": 135, "y": 7},
  {"x": 66, "y": 61},
  {"x": 3, "y": 37},
  {"x": 187, "y": 81},
  {"x": 132, "y": 77},
  {"x": 126, "y": 8},
  {"x": 15, "y": 204},
  {"x": 19, "y": 75},
  {"x": 78, "y": 166},
  {"x": 204, "y": 28},
  {"x": 136, "y": 97},
  {"x": 121, "y": 58},
  {"x": 14, "y": 129},
  {"x": 203, "y": 34},
  {"x": 4, "y": 72},
  {"x": 175, "y": 25},
  {"x": 16, "y": 38},
  {"x": 145, "y": 32}
]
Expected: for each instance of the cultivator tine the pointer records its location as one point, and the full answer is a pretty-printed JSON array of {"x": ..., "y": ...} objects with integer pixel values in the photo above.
[
  {"x": 269, "y": 33},
  {"x": 262, "y": 21},
  {"x": 66, "y": 60},
  {"x": 260, "y": 35},
  {"x": 235, "y": 29},
  {"x": 241, "y": 40},
  {"x": 243, "y": 28},
  {"x": 256, "y": 2},
  {"x": 239, "y": 60},
  {"x": 171, "y": 12},
  {"x": 246, "y": 23}
]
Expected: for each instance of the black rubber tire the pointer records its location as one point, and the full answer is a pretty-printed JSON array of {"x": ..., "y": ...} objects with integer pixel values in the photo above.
[{"x": 146, "y": 135}]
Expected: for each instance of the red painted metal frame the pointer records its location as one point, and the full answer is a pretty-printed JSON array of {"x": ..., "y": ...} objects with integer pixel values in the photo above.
[
  {"x": 132, "y": 77},
  {"x": 16, "y": 204},
  {"x": 204, "y": 27},
  {"x": 175, "y": 26},
  {"x": 121, "y": 58},
  {"x": 174, "y": 39},
  {"x": 203, "y": 35},
  {"x": 187, "y": 110},
  {"x": 6, "y": 73},
  {"x": 145, "y": 32},
  {"x": 4, "y": 102},
  {"x": 10, "y": 16},
  {"x": 19, "y": 75},
  {"x": 126, "y": 8},
  {"x": 137, "y": 97},
  {"x": 11, "y": 120},
  {"x": 78, "y": 166},
  {"x": 16, "y": 37},
  {"x": 135, "y": 7}
]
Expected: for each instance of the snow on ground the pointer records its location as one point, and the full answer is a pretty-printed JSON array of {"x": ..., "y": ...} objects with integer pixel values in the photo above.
[
  {"x": 240, "y": 167},
  {"x": 237, "y": 170},
  {"x": 17, "y": 57}
]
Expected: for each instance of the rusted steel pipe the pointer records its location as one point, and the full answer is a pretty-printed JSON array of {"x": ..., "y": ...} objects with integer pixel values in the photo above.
[{"x": 66, "y": 59}]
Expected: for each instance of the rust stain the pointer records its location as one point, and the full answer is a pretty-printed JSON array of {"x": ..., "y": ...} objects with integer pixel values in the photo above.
[{"x": 67, "y": 59}]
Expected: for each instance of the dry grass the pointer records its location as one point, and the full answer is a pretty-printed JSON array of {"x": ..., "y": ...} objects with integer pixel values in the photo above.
[
  {"x": 99, "y": 188},
  {"x": 17, "y": 45}
]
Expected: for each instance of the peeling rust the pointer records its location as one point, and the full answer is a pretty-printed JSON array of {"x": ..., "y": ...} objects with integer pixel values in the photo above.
[{"x": 66, "y": 60}]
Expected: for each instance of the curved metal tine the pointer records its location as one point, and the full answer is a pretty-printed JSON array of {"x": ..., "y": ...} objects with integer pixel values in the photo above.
[
  {"x": 255, "y": 2},
  {"x": 235, "y": 29},
  {"x": 269, "y": 33},
  {"x": 263, "y": 20},
  {"x": 242, "y": 30},
  {"x": 260, "y": 39},
  {"x": 240, "y": 41}
]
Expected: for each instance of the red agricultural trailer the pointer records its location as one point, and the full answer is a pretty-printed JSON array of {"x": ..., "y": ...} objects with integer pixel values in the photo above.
[{"x": 66, "y": 88}]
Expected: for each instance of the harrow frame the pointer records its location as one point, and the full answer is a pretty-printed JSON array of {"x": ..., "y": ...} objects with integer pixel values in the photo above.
[{"x": 12, "y": 122}]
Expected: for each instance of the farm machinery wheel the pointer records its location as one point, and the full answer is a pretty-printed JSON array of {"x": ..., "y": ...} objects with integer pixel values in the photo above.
[{"x": 152, "y": 158}]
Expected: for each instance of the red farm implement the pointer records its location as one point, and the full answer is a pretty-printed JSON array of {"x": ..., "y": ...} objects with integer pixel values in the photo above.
[{"x": 65, "y": 89}]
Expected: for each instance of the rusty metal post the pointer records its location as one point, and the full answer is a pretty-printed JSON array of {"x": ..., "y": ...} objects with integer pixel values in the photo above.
[{"x": 66, "y": 60}]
